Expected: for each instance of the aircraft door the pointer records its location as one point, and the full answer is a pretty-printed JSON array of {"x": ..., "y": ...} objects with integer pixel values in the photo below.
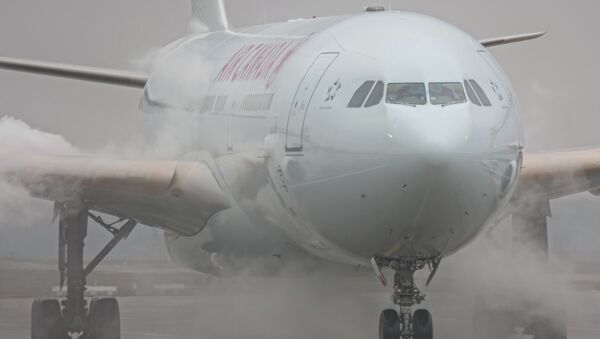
[{"x": 304, "y": 94}]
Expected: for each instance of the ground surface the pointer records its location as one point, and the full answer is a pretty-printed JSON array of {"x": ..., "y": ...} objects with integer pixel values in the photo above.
[{"x": 291, "y": 308}]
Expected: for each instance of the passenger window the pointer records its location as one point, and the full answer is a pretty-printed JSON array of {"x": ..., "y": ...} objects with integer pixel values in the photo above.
[
  {"x": 480, "y": 93},
  {"x": 376, "y": 95},
  {"x": 471, "y": 94},
  {"x": 406, "y": 94},
  {"x": 361, "y": 94},
  {"x": 446, "y": 93}
]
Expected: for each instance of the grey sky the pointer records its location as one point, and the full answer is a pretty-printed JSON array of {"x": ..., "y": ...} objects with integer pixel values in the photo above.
[{"x": 555, "y": 77}]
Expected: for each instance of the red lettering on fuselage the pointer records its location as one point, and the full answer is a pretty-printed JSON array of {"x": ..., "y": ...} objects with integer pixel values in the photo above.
[{"x": 255, "y": 62}]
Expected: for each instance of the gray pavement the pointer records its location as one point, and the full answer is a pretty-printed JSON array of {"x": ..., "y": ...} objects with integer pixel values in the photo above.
[{"x": 291, "y": 308}]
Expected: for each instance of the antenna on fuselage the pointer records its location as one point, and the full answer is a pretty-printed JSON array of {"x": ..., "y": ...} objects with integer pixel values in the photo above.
[{"x": 265, "y": 14}]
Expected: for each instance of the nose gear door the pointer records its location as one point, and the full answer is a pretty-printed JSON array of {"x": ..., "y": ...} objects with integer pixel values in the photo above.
[{"x": 304, "y": 94}]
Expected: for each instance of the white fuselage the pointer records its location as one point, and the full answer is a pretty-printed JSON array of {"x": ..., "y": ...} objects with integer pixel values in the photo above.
[{"x": 268, "y": 108}]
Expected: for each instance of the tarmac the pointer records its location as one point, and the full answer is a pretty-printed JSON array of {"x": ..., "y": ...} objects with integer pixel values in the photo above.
[
  {"x": 161, "y": 301},
  {"x": 290, "y": 308}
]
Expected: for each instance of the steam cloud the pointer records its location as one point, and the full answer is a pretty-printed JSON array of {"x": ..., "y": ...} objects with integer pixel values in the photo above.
[
  {"x": 17, "y": 140},
  {"x": 179, "y": 76}
]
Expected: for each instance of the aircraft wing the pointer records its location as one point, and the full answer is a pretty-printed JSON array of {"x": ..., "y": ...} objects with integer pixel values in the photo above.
[
  {"x": 545, "y": 177},
  {"x": 86, "y": 73},
  {"x": 503, "y": 40},
  {"x": 179, "y": 196},
  {"x": 548, "y": 176}
]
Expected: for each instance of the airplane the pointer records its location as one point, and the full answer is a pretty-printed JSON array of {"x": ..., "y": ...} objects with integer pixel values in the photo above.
[{"x": 384, "y": 139}]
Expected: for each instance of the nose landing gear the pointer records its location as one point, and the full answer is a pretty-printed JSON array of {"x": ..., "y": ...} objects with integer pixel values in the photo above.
[{"x": 404, "y": 324}]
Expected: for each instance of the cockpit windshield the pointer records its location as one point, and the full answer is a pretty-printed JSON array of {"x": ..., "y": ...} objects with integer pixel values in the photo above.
[
  {"x": 446, "y": 93},
  {"x": 406, "y": 94}
]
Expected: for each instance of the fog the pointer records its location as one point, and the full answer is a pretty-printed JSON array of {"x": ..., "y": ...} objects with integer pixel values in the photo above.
[{"x": 554, "y": 77}]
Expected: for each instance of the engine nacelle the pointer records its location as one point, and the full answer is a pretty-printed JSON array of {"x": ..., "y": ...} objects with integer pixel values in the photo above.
[{"x": 232, "y": 245}]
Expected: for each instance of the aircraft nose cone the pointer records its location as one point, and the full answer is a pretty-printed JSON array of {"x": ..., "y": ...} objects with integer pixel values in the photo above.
[
  {"x": 447, "y": 178},
  {"x": 435, "y": 133}
]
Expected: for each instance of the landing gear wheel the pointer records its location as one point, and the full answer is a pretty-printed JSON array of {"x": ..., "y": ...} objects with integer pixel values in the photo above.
[
  {"x": 46, "y": 320},
  {"x": 104, "y": 319},
  {"x": 423, "y": 324},
  {"x": 389, "y": 325}
]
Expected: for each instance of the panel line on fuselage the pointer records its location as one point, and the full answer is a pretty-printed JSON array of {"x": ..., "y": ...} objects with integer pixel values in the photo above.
[
  {"x": 416, "y": 219},
  {"x": 319, "y": 181}
]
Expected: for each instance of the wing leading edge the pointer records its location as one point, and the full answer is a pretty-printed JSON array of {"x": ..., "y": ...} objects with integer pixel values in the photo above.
[
  {"x": 94, "y": 74},
  {"x": 179, "y": 196},
  {"x": 510, "y": 39}
]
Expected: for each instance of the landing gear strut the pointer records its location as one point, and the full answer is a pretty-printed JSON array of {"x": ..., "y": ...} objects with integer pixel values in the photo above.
[
  {"x": 75, "y": 319},
  {"x": 404, "y": 324}
]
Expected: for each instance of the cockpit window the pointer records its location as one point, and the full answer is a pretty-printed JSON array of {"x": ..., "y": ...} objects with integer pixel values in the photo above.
[
  {"x": 471, "y": 94},
  {"x": 406, "y": 94},
  {"x": 446, "y": 93},
  {"x": 361, "y": 94},
  {"x": 376, "y": 95},
  {"x": 480, "y": 93}
]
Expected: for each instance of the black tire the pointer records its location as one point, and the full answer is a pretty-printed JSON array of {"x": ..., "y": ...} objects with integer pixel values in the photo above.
[
  {"x": 389, "y": 325},
  {"x": 423, "y": 324},
  {"x": 104, "y": 320},
  {"x": 46, "y": 320}
]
